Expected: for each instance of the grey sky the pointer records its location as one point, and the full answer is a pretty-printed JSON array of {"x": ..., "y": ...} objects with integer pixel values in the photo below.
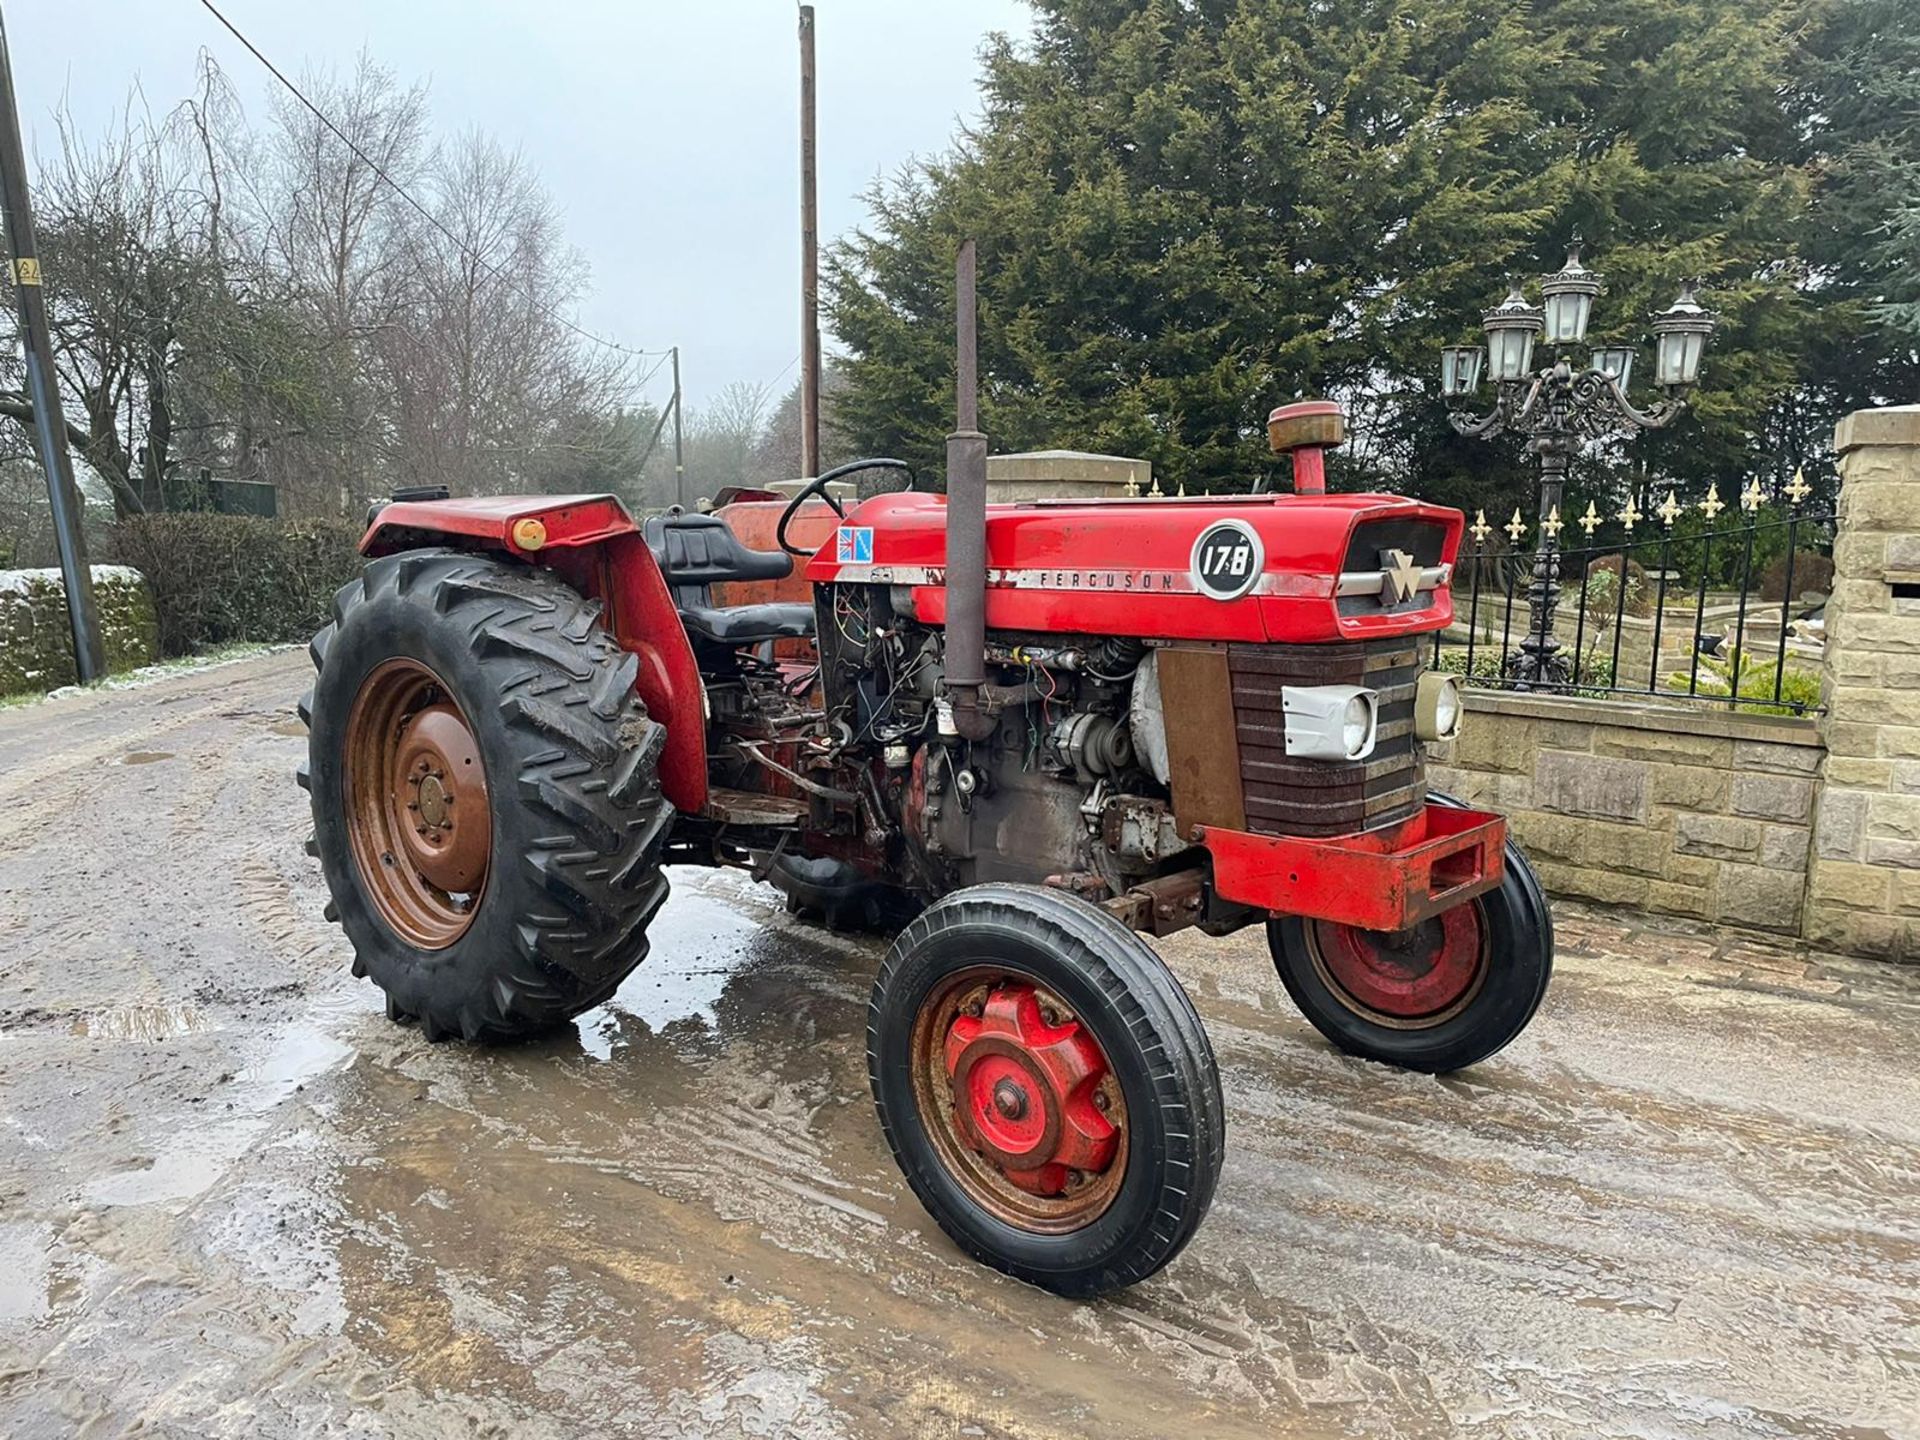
[{"x": 667, "y": 132}]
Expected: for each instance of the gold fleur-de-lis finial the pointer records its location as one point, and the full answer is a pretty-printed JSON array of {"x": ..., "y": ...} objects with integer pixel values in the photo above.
[
  {"x": 1713, "y": 504},
  {"x": 1670, "y": 510},
  {"x": 1516, "y": 527},
  {"x": 1480, "y": 529},
  {"x": 1630, "y": 514},
  {"x": 1753, "y": 497},
  {"x": 1133, "y": 485},
  {"x": 1799, "y": 489},
  {"x": 1155, "y": 491},
  {"x": 1183, "y": 490},
  {"x": 1552, "y": 524},
  {"x": 1590, "y": 521}
]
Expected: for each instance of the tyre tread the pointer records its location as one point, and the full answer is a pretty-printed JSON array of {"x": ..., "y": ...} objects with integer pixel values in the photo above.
[
  {"x": 1153, "y": 1008},
  {"x": 584, "y": 759}
]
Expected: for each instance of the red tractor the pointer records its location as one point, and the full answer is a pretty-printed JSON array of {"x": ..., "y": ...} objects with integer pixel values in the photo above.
[{"x": 1024, "y": 735}]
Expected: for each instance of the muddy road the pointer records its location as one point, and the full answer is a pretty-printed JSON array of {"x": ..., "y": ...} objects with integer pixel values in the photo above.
[{"x": 235, "y": 1201}]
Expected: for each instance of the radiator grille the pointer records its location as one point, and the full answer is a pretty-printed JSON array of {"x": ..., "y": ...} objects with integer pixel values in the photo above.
[{"x": 1314, "y": 797}]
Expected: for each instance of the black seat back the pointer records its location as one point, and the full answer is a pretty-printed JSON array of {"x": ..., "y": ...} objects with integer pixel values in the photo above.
[{"x": 695, "y": 551}]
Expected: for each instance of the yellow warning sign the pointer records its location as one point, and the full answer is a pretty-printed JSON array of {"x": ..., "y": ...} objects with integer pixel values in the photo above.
[{"x": 26, "y": 271}]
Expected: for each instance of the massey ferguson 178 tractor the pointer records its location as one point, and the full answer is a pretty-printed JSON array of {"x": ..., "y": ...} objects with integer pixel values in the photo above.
[{"x": 1025, "y": 735}]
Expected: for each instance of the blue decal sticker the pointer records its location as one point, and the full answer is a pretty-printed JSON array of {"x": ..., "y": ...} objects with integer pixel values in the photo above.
[{"x": 854, "y": 545}]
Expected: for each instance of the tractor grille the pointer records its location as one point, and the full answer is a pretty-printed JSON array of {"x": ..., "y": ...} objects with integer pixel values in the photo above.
[{"x": 1313, "y": 797}]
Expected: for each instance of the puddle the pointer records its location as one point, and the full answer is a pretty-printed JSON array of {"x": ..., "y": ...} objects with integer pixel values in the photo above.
[
  {"x": 299, "y": 1054},
  {"x": 140, "y": 1022},
  {"x": 24, "y": 1270},
  {"x": 706, "y": 944},
  {"x": 145, "y": 757},
  {"x": 197, "y": 1157},
  {"x": 194, "y": 1159}
]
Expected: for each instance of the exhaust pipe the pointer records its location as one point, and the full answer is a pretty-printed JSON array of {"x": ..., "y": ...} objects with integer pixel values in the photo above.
[{"x": 966, "y": 657}]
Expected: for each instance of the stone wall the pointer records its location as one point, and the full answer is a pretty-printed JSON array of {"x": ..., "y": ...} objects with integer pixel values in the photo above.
[
  {"x": 1865, "y": 892},
  {"x": 36, "y": 639},
  {"x": 1682, "y": 812}
]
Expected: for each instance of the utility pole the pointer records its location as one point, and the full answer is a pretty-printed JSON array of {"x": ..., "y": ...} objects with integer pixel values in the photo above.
[
  {"x": 809, "y": 258},
  {"x": 43, "y": 386},
  {"x": 679, "y": 455}
]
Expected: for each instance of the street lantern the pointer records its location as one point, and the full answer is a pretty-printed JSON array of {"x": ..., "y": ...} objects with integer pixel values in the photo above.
[
  {"x": 1567, "y": 299},
  {"x": 1680, "y": 335},
  {"x": 1615, "y": 362},
  {"x": 1511, "y": 327},
  {"x": 1561, "y": 407},
  {"x": 1460, "y": 367}
]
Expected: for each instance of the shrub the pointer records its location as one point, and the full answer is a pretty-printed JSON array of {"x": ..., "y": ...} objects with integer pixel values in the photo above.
[
  {"x": 1753, "y": 682},
  {"x": 1602, "y": 592},
  {"x": 1812, "y": 571},
  {"x": 222, "y": 579},
  {"x": 1486, "y": 665}
]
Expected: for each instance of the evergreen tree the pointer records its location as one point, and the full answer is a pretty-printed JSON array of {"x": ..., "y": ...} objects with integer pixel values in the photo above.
[{"x": 1190, "y": 212}]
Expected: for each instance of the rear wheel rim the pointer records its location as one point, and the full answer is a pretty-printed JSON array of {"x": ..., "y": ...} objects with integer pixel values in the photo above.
[
  {"x": 1019, "y": 1100},
  {"x": 1409, "y": 979},
  {"x": 418, "y": 821}
]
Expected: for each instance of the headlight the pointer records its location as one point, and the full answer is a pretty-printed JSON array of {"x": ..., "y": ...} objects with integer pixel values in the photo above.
[
  {"x": 1437, "y": 707},
  {"x": 1356, "y": 725},
  {"x": 1330, "y": 722}
]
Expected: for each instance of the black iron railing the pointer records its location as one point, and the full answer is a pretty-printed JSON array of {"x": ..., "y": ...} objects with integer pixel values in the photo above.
[{"x": 1676, "y": 606}]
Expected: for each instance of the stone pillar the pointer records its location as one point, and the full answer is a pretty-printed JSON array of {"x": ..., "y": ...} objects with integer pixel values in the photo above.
[
  {"x": 1067, "y": 475},
  {"x": 1863, "y": 893}
]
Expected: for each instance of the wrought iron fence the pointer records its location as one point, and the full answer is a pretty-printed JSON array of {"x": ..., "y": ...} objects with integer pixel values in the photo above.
[{"x": 1675, "y": 606}]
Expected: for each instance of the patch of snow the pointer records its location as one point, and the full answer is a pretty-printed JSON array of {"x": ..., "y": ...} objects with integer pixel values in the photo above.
[
  {"x": 154, "y": 674},
  {"x": 24, "y": 582}
]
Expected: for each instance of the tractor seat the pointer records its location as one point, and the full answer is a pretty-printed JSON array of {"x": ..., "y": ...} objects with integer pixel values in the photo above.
[
  {"x": 698, "y": 551},
  {"x": 735, "y": 625}
]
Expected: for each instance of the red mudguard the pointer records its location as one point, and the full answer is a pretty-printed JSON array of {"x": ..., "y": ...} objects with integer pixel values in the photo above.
[
  {"x": 1384, "y": 880},
  {"x": 592, "y": 542}
]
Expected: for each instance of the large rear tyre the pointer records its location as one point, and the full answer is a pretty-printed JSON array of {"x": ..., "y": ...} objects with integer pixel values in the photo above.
[
  {"x": 486, "y": 804},
  {"x": 1046, "y": 1087},
  {"x": 1441, "y": 996}
]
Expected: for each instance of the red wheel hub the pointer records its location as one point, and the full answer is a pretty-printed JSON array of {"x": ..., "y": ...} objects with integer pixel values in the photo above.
[
  {"x": 1029, "y": 1092},
  {"x": 1419, "y": 974}
]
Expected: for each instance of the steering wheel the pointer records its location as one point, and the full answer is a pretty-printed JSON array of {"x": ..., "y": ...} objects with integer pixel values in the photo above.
[{"x": 818, "y": 486}]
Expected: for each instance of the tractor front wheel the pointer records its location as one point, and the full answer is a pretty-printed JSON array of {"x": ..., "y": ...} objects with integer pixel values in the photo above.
[
  {"x": 1046, "y": 1087},
  {"x": 1440, "y": 996},
  {"x": 486, "y": 806}
]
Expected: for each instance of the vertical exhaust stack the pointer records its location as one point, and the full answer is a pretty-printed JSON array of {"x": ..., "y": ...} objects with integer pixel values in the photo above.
[{"x": 966, "y": 657}]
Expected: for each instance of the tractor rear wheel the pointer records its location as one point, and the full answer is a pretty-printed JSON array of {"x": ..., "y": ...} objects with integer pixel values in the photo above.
[
  {"x": 486, "y": 806},
  {"x": 1440, "y": 996},
  {"x": 1046, "y": 1087}
]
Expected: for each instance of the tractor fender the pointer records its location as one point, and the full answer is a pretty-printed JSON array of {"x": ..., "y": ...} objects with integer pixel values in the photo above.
[{"x": 592, "y": 543}]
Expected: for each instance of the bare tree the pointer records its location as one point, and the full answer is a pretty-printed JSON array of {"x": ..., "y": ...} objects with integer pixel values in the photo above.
[
  {"x": 336, "y": 310},
  {"x": 128, "y": 275},
  {"x": 720, "y": 438},
  {"x": 776, "y": 455}
]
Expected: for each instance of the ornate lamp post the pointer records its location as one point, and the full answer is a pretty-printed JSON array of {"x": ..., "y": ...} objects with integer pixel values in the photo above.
[{"x": 1559, "y": 408}]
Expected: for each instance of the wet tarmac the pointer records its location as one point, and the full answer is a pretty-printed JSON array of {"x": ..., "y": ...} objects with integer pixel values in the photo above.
[{"x": 235, "y": 1201}]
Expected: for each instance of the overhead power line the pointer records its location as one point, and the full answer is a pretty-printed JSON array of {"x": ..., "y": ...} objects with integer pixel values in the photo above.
[{"x": 404, "y": 194}]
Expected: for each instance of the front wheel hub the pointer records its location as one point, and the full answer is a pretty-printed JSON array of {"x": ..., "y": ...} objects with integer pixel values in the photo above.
[
  {"x": 1031, "y": 1089},
  {"x": 1405, "y": 979}
]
